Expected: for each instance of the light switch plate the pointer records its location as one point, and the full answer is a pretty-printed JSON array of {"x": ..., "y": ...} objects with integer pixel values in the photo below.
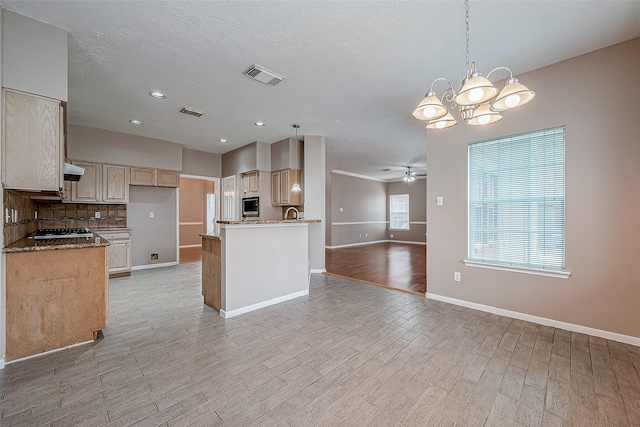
[{"x": 439, "y": 200}]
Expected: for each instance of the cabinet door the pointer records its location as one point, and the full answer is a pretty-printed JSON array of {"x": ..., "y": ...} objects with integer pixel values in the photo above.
[
  {"x": 143, "y": 176},
  {"x": 115, "y": 184},
  {"x": 285, "y": 187},
  {"x": 254, "y": 183},
  {"x": 88, "y": 189},
  {"x": 275, "y": 188},
  {"x": 245, "y": 185},
  {"x": 118, "y": 259},
  {"x": 32, "y": 145},
  {"x": 168, "y": 178}
]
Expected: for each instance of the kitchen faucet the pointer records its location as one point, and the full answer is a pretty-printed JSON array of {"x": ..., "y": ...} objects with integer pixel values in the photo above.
[{"x": 286, "y": 213}]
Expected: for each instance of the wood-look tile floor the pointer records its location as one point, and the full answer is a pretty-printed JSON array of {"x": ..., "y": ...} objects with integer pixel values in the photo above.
[
  {"x": 348, "y": 354},
  {"x": 394, "y": 265}
]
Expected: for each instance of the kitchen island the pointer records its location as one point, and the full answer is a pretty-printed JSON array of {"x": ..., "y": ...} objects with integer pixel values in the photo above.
[
  {"x": 56, "y": 294},
  {"x": 255, "y": 264}
]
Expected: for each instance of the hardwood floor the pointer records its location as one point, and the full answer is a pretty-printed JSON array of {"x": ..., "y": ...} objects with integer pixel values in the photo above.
[
  {"x": 394, "y": 265},
  {"x": 190, "y": 254},
  {"x": 348, "y": 354}
]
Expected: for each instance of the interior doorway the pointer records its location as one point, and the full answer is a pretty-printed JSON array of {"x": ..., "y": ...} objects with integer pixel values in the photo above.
[{"x": 198, "y": 211}]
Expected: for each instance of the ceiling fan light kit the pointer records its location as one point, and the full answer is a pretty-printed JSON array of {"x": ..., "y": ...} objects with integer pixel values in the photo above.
[{"x": 478, "y": 101}]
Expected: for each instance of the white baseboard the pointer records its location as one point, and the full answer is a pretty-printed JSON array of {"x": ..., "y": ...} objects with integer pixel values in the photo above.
[
  {"x": 46, "y": 352},
  {"x": 627, "y": 339},
  {"x": 263, "y": 304},
  {"x": 318, "y": 270},
  {"x": 148, "y": 266},
  {"x": 376, "y": 241}
]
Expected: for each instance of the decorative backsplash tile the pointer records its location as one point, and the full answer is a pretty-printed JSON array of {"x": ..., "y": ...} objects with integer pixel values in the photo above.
[{"x": 26, "y": 222}]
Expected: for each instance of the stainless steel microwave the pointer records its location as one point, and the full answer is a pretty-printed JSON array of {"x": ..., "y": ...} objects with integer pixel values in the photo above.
[{"x": 251, "y": 207}]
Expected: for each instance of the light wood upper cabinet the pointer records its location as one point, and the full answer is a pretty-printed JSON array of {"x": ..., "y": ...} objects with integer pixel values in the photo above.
[
  {"x": 115, "y": 184},
  {"x": 32, "y": 150},
  {"x": 281, "y": 184},
  {"x": 101, "y": 184},
  {"x": 168, "y": 178},
  {"x": 154, "y": 177},
  {"x": 89, "y": 188},
  {"x": 250, "y": 183},
  {"x": 143, "y": 176}
]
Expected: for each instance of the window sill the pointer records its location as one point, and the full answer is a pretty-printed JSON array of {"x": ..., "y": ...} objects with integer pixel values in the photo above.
[
  {"x": 399, "y": 229},
  {"x": 537, "y": 271}
]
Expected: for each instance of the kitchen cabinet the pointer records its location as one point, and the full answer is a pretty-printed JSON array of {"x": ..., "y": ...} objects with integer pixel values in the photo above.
[
  {"x": 119, "y": 252},
  {"x": 32, "y": 150},
  {"x": 115, "y": 184},
  {"x": 281, "y": 183},
  {"x": 149, "y": 177},
  {"x": 143, "y": 176},
  {"x": 250, "y": 183},
  {"x": 168, "y": 178},
  {"x": 101, "y": 184}
]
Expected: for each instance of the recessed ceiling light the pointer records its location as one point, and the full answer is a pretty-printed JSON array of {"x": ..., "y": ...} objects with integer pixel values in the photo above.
[
  {"x": 135, "y": 122},
  {"x": 259, "y": 123},
  {"x": 222, "y": 140},
  {"x": 158, "y": 95}
]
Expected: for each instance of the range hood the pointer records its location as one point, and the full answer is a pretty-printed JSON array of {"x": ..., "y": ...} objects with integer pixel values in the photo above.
[{"x": 72, "y": 172}]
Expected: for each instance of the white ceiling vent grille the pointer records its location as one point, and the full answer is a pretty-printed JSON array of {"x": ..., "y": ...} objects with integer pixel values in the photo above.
[
  {"x": 263, "y": 75},
  {"x": 191, "y": 111}
]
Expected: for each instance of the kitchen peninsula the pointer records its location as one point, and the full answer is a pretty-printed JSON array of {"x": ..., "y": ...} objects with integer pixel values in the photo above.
[
  {"x": 255, "y": 264},
  {"x": 56, "y": 293}
]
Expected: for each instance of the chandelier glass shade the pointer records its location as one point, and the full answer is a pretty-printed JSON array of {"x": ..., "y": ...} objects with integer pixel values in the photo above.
[{"x": 479, "y": 102}]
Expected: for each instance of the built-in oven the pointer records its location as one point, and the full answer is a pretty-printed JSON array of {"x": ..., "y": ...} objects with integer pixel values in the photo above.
[{"x": 251, "y": 207}]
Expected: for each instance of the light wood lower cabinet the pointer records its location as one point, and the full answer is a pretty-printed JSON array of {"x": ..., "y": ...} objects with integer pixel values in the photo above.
[
  {"x": 119, "y": 252},
  {"x": 55, "y": 299}
]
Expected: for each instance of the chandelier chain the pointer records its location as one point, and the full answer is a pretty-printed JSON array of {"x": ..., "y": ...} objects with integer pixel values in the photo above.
[{"x": 466, "y": 8}]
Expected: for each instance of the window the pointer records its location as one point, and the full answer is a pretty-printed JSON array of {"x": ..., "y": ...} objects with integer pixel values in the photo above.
[
  {"x": 399, "y": 212},
  {"x": 516, "y": 201}
]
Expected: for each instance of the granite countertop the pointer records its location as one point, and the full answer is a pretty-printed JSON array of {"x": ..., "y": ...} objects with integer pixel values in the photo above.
[
  {"x": 269, "y": 221},
  {"x": 30, "y": 245}
]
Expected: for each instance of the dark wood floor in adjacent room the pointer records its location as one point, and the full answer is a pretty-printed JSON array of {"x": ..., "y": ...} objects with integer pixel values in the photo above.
[{"x": 394, "y": 265}]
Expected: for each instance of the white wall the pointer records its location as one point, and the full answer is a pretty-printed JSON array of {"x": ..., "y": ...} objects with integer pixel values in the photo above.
[{"x": 315, "y": 197}]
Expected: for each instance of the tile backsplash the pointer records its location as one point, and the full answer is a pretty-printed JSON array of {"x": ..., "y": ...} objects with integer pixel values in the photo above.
[
  {"x": 80, "y": 215},
  {"x": 55, "y": 215}
]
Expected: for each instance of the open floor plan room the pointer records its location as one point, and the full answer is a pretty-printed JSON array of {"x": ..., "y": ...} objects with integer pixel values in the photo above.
[{"x": 346, "y": 354}]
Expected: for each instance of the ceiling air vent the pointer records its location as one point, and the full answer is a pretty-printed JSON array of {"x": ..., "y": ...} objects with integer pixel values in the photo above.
[
  {"x": 192, "y": 111},
  {"x": 263, "y": 75}
]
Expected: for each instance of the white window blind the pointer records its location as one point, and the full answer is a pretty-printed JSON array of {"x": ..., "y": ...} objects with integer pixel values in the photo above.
[
  {"x": 516, "y": 200},
  {"x": 399, "y": 211}
]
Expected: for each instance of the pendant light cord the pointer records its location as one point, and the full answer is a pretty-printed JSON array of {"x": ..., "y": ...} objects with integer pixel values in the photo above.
[{"x": 466, "y": 8}]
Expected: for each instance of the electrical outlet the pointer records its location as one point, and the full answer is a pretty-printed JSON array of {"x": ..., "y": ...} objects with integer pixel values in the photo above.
[
  {"x": 360, "y": 234},
  {"x": 456, "y": 276},
  {"x": 97, "y": 214},
  {"x": 341, "y": 210},
  {"x": 151, "y": 214},
  {"x": 35, "y": 215},
  {"x": 391, "y": 236},
  {"x": 366, "y": 235},
  {"x": 153, "y": 257}
]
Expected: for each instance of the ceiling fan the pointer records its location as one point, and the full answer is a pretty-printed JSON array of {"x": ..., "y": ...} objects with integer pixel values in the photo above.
[{"x": 411, "y": 176}]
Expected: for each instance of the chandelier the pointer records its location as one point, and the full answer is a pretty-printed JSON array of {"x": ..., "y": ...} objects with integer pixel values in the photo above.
[{"x": 478, "y": 101}]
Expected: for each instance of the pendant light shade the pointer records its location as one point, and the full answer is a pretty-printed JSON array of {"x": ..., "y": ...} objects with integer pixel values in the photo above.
[
  {"x": 296, "y": 188},
  {"x": 484, "y": 115},
  {"x": 443, "y": 122},
  {"x": 476, "y": 90},
  {"x": 430, "y": 108},
  {"x": 513, "y": 94}
]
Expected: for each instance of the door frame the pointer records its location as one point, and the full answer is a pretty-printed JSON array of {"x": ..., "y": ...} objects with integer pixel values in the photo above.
[{"x": 216, "y": 191}]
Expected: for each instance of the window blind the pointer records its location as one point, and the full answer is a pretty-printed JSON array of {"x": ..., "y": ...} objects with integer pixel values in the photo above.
[
  {"x": 516, "y": 200},
  {"x": 399, "y": 211}
]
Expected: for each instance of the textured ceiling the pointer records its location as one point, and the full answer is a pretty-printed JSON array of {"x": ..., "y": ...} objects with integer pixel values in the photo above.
[{"x": 353, "y": 70}]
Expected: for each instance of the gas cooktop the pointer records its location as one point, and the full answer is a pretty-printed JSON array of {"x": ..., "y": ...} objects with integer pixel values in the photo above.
[{"x": 62, "y": 233}]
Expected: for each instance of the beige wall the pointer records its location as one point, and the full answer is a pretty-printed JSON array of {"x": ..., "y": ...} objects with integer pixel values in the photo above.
[
  {"x": 596, "y": 97},
  {"x": 105, "y": 146},
  {"x": 193, "y": 209},
  {"x": 364, "y": 210},
  {"x": 201, "y": 163},
  {"x": 157, "y": 234},
  {"x": 240, "y": 160},
  {"x": 417, "y": 191}
]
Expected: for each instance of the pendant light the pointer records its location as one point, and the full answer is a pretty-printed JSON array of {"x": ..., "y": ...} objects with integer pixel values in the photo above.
[
  {"x": 479, "y": 102},
  {"x": 296, "y": 187}
]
